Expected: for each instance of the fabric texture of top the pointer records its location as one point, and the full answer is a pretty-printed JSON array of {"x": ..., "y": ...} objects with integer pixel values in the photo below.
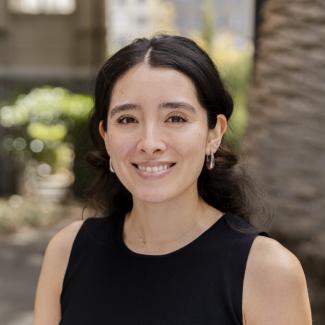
[{"x": 201, "y": 283}]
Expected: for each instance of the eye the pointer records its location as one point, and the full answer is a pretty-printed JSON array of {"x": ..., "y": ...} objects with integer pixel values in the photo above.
[
  {"x": 176, "y": 119},
  {"x": 126, "y": 120}
]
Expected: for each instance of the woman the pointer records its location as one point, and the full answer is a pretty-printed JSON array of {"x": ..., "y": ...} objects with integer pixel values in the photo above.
[{"x": 174, "y": 244}]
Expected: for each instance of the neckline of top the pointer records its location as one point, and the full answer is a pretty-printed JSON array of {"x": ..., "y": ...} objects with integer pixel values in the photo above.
[{"x": 127, "y": 250}]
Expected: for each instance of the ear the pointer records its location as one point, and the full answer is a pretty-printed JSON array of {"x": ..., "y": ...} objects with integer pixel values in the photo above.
[
  {"x": 103, "y": 135},
  {"x": 215, "y": 135},
  {"x": 101, "y": 130}
]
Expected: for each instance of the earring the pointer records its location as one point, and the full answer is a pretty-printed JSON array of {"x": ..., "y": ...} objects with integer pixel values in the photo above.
[
  {"x": 210, "y": 161},
  {"x": 111, "y": 166}
]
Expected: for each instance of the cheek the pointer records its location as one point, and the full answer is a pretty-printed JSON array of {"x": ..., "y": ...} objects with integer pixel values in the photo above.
[
  {"x": 118, "y": 147},
  {"x": 191, "y": 145}
]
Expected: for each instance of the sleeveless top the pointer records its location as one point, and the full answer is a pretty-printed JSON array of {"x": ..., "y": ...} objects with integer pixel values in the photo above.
[{"x": 200, "y": 283}]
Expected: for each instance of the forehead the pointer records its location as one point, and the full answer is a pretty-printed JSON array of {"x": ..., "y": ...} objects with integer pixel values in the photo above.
[{"x": 145, "y": 83}]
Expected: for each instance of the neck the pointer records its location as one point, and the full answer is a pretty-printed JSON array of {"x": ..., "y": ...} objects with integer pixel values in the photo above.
[{"x": 166, "y": 222}]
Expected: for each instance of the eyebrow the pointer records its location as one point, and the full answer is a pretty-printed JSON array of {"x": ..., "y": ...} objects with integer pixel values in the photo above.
[
  {"x": 167, "y": 105},
  {"x": 123, "y": 107}
]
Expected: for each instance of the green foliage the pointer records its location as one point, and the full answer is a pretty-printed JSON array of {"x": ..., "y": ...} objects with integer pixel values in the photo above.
[
  {"x": 17, "y": 212},
  {"x": 208, "y": 23},
  {"x": 236, "y": 76},
  {"x": 234, "y": 65},
  {"x": 40, "y": 124}
]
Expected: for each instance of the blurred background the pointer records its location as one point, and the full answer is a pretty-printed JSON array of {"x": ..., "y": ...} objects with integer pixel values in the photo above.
[{"x": 271, "y": 55}]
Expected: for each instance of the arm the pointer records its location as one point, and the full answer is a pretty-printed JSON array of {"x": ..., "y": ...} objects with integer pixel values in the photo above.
[
  {"x": 47, "y": 301},
  {"x": 275, "y": 289}
]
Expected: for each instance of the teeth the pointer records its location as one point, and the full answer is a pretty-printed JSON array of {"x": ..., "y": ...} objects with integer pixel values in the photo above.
[{"x": 154, "y": 169}]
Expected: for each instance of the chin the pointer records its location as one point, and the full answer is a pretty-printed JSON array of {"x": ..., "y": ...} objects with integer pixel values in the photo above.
[{"x": 155, "y": 196}]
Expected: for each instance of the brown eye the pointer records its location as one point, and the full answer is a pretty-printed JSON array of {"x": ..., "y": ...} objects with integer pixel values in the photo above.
[
  {"x": 126, "y": 120},
  {"x": 176, "y": 119}
]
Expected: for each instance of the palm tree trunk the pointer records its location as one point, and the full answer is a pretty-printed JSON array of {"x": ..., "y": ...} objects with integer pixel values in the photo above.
[{"x": 285, "y": 141}]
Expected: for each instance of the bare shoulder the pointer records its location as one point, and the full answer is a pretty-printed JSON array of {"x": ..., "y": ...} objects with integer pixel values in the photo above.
[
  {"x": 61, "y": 243},
  {"x": 58, "y": 250},
  {"x": 269, "y": 255},
  {"x": 49, "y": 287},
  {"x": 275, "y": 289}
]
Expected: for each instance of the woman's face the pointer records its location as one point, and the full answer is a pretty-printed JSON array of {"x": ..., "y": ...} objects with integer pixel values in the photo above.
[{"x": 157, "y": 134}]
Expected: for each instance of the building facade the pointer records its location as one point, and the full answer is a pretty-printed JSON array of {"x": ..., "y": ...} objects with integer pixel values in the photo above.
[
  {"x": 47, "y": 42},
  {"x": 59, "y": 42},
  {"x": 130, "y": 19},
  {"x": 135, "y": 18},
  {"x": 235, "y": 17}
]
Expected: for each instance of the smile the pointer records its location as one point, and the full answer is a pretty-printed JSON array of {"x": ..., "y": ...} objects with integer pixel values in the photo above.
[{"x": 160, "y": 169}]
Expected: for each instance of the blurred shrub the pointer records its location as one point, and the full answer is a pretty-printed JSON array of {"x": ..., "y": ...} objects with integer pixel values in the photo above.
[
  {"x": 42, "y": 124},
  {"x": 17, "y": 212},
  {"x": 234, "y": 64}
]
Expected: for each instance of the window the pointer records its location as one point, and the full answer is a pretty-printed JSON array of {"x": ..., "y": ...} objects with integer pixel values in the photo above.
[{"x": 63, "y": 7}]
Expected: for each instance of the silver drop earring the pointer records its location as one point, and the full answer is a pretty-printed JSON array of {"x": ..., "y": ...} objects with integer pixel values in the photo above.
[
  {"x": 210, "y": 161},
  {"x": 111, "y": 166}
]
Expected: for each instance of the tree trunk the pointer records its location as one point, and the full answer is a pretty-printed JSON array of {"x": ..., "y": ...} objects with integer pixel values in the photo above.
[{"x": 285, "y": 140}]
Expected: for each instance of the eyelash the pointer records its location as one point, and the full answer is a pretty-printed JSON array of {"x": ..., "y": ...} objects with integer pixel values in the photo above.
[
  {"x": 178, "y": 116},
  {"x": 122, "y": 119}
]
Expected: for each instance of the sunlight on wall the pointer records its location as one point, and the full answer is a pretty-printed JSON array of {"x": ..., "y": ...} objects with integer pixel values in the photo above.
[{"x": 63, "y": 7}]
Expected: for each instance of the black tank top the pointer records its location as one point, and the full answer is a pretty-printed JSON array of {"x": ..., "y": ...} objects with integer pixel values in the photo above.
[{"x": 200, "y": 283}]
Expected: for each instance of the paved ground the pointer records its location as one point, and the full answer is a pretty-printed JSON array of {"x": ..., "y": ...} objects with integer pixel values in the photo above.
[{"x": 20, "y": 261}]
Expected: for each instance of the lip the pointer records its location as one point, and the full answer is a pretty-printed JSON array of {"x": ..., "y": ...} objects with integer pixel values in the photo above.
[
  {"x": 153, "y": 163},
  {"x": 156, "y": 175}
]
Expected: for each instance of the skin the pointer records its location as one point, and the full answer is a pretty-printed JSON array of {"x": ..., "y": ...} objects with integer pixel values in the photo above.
[
  {"x": 168, "y": 211},
  {"x": 166, "y": 207}
]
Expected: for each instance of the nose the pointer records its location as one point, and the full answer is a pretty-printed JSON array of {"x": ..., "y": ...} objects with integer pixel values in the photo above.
[{"x": 150, "y": 140}]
